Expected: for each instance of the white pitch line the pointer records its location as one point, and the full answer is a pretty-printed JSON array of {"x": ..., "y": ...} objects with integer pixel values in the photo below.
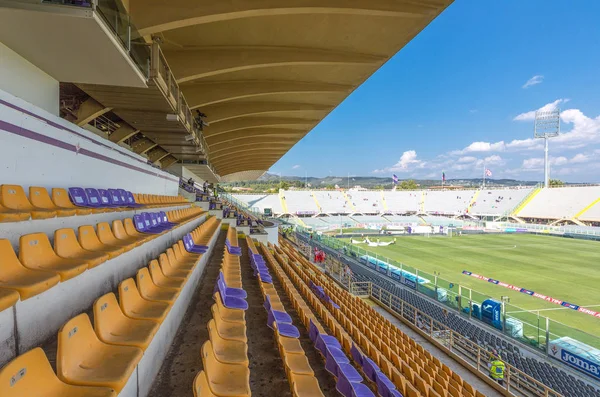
[{"x": 543, "y": 310}]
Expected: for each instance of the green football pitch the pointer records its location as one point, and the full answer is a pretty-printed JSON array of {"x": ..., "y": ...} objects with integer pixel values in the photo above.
[{"x": 565, "y": 269}]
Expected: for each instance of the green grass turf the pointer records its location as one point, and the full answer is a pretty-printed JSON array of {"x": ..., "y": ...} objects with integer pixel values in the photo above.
[{"x": 565, "y": 269}]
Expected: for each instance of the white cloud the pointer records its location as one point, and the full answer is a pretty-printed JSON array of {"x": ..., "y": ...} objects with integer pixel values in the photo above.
[
  {"x": 580, "y": 158},
  {"x": 476, "y": 147},
  {"x": 530, "y": 116},
  {"x": 467, "y": 159},
  {"x": 537, "y": 79},
  {"x": 296, "y": 167},
  {"x": 408, "y": 162}
]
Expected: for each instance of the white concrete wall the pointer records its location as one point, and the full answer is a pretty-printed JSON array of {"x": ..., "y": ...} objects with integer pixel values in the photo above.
[
  {"x": 25, "y": 80},
  {"x": 40, "y": 149},
  {"x": 34, "y": 320}
]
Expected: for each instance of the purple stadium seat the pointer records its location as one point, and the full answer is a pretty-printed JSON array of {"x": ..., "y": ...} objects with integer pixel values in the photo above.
[
  {"x": 78, "y": 197},
  {"x": 106, "y": 199},
  {"x": 115, "y": 197},
  {"x": 334, "y": 357},
  {"x": 231, "y": 302},
  {"x": 164, "y": 220},
  {"x": 94, "y": 199},
  {"x": 190, "y": 247},
  {"x": 229, "y": 291},
  {"x": 384, "y": 385},
  {"x": 131, "y": 200}
]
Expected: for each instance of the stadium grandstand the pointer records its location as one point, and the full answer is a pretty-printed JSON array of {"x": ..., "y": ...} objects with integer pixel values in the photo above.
[{"x": 125, "y": 270}]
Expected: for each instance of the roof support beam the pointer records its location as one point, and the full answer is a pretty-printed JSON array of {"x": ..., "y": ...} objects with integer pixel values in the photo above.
[
  {"x": 258, "y": 122},
  {"x": 143, "y": 145},
  {"x": 153, "y": 16},
  {"x": 225, "y": 111},
  {"x": 261, "y": 150},
  {"x": 157, "y": 155},
  {"x": 208, "y": 93},
  {"x": 167, "y": 161},
  {"x": 122, "y": 133},
  {"x": 89, "y": 110},
  {"x": 273, "y": 133},
  {"x": 201, "y": 62}
]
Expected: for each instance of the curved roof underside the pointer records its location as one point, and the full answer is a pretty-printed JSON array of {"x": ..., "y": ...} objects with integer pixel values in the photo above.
[{"x": 265, "y": 72}]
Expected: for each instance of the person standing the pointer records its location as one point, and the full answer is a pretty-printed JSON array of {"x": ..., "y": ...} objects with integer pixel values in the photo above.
[{"x": 497, "y": 369}]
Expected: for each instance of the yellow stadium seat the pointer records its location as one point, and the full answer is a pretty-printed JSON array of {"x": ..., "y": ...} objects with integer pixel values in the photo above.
[
  {"x": 8, "y": 215},
  {"x": 106, "y": 237},
  {"x": 30, "y": 374},
  {"x": 40, "y": 200},
  {"x": 114, "y": 328},
  {"x": 150, "y": 291},
  {"x": 120, "y": 233},
  {"x": 89, "y": 241},
  {"x": 201, "y": 388},
  {"x": 60, "y": 197},
  {"x": 289, "y": 345},
  {"x": 297, "y": 364},
  {"x": 170, "y": 270},
  {"x": 13, "y": 198},
  {"x": 226, "y": 314},
  {"x": 82, "y": 359},
  {"x": 8, "y": 298},
  {"x": 134, "y": 306},
  {"x": 179, "y": 264},
  {"x": 227, "y": 351},
  {"x": 224, "y": 379},
  {"x": 35, "y": 252},
  {"x": 67, "y": 246},
  {"x": 305, "y": 386},
  {"x": 15, "y": 276},
  {"x": 159, "y": 278},
  {"x": 229, "y": 330}
]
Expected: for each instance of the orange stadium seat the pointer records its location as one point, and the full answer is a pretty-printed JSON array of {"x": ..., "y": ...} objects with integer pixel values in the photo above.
[
  {"x": 60, "y": 197},
  {"x": 152, "y": 292},
  {"x": 224, "y": 379},
  {"x": 15, "y": 276},
  {"x": 134, "y": 306},
  {"x": 106, "y": 237},
  {"x": 113, "y": 327},
  {"x": 13, "y": 198},
  {"x": 36, "y": 253},
  {"x": 83, "y": 359},
  {"x": 67, "y": 246},
  {"x": 30, "y": 374},
  {"x": 159, "y": 278},
  {"x": 89, "y": 240}
]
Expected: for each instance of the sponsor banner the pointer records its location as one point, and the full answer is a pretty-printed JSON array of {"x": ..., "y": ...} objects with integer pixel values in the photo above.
[
  {"x": 576, "y": 361},
  {"x": 534, "y": 294},
  {"x": 409, "y": 283}
]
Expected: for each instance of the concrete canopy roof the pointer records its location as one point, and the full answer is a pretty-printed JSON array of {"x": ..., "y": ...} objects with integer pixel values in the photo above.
[{"x": 265, "y": 72}]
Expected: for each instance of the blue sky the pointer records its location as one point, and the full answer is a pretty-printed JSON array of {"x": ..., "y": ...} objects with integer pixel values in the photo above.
[{"x": 457, "y": 96}]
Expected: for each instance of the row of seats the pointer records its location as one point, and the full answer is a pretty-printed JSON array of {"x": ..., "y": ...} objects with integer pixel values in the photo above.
[
  {"x": 301, "y": 376},
  {"x": 40, "y": 265},
  {"x": 384, "y": 344},
  {"x": 225, "y": 355},
  {"x": 334, "y": 349},
  {"x": 15, "y": 206},
  {"x": 232, "y": 243},
  {"x": 98, "y": 360}
]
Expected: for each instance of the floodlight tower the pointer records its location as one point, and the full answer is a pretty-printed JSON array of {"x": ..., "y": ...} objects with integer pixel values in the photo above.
[{"x": 547, "y": 125}]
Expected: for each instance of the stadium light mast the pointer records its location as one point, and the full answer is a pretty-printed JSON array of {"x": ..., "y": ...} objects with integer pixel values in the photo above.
[{"x": 547, "y": 125}]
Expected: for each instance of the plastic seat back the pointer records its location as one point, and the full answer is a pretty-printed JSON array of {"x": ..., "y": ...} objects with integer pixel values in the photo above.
[
  {"x": 76, "y": 340},
  {"x": 13, "y": 197},
  {"x": 78, "y": 197},
  {"x": 129, "y": 296},
  {"x": 89, "y": 239},
  {"x": 107, "y": 316},
  {"x": 139, "y": 223},
  {"x": 31, "y": 374},
  {"x": 94, "y": 199},
  {"x": 40, "y": 198},
  {"x": 105, "y": 235},
  {"x": 60, "y": 197},
  {"x": 123, "y": 195},
  {"x": 201, "y": 388},
  {"x": 65, "y": 243},
  {"x": 158, "y": 276},
  {"x": 115, "y": 197},
  {"x": 35, "y": 249},
  {"x": 105, "y": 197}
]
